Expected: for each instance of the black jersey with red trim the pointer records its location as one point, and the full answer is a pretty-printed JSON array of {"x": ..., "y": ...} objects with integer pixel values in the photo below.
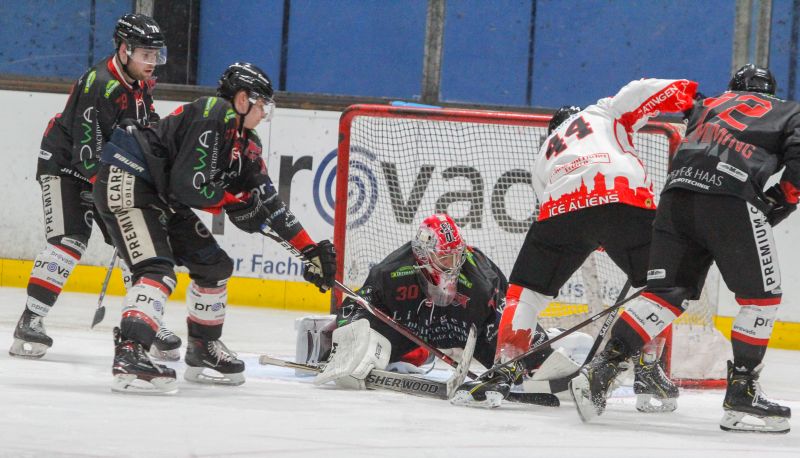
[
  {"x": 735, "y": 142},
  {"x": 202, "y": 162},
  {"x": 393, "y": 286},
  {"x": 98, "y": 101}
]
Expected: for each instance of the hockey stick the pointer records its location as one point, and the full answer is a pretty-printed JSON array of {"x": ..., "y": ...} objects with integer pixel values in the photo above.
[
  {"x": 607, "y": 324},
  {"x": 488, "y": 374},
  {"x": 377, "y": 313},
  {"x": 100, "y": 312}
]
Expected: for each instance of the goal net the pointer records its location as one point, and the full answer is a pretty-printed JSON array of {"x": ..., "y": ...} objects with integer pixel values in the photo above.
[{"x": 397, "y": 165}]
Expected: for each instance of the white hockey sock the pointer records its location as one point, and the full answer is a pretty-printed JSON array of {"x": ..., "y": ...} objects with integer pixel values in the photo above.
[
  {"x": 648, "y": 315},
  {"x": 51, "y": 269},
  {"x": 127, "y": 275},
  {"x": 753, "y": 324},
  {"x": 145, "y": 301},
  {"x": 207, "y": 305},
  {"x": 518, "y": 323}
]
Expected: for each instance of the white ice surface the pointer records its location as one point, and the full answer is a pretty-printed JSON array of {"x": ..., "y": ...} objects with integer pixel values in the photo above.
[{"x": 62, "y": 406}]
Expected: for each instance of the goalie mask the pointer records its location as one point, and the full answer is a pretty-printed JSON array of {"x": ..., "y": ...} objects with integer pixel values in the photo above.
[{"x": 440, "y": 252}]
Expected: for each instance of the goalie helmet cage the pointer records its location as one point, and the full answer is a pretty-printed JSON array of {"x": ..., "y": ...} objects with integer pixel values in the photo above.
[{"x": 397, "y": 165}]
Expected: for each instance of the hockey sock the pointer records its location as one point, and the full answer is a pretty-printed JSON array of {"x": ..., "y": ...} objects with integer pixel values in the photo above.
[
  {"x": 518, "y": 323},
  {"x": 645, "y": 318},
  {"x": 206, "y": 310},
  {"x": 752, "y": 329},
  {"x": 143, "y": 309},
  {"x": 127, "y": 275},
  {"x": 51, "y": 269}
]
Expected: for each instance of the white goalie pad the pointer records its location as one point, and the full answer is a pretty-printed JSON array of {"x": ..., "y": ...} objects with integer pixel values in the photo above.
[
  {"x": 356, "y": 350},
  {"x": 313, "y": 341}
]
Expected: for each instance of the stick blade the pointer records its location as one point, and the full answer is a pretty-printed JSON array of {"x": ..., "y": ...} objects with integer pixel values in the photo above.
[{"x": 99, "y": 314}]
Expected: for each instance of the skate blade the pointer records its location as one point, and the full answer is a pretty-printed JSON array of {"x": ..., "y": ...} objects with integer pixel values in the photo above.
[
  {"x": 28, "y": 350},
  {"x": 165, "y": 355},
  {"x": 748, "y": 423},
  {"x": 130, "y": 384},
  {"x": 647, "y": 403},
  {"x": 212, "y": 377},
  {"x": 464, "y": 398},
  {"x": 579, "y": 389}
]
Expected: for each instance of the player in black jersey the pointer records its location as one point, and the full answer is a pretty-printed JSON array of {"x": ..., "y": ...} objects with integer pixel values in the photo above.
[
  {"x": 120, "y": 86},
  {"x": 205, "y": 155},
  {"x": 714, "y": 208}
]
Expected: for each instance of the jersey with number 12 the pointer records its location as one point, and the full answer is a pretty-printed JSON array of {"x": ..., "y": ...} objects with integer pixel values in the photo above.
[{"x": 590, "y": 159}]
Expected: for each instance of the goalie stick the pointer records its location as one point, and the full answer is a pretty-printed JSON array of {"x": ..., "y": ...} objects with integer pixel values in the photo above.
[
  {"x": 613, "y": 309},
  {"x": 367, "y": 306},
  {"x": 100, "y": 312},
  {"x": 404, "y": 383}
]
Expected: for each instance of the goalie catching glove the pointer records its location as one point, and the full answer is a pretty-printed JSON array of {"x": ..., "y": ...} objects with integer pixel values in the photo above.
[
  {"x": 357, "y": 349},
  {"x": 322, "y": 268}
]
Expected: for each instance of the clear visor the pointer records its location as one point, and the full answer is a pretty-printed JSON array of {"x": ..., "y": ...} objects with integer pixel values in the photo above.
[
  {"x": 150, "y": 56},
  {"x": 266, "y": 106}
]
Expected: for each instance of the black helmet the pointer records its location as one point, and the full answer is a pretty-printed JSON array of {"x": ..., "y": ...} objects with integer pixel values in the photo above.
[
  {"x": 244, "y": 75},
  {"x": 138, "y": 30},
  {"x": 560, "y": 116},
  {"x": 753, "y": 79}
]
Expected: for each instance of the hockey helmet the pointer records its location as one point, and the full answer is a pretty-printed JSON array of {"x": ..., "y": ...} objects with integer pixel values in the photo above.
[
  {"x": 440, "y": 252},
  {"x": 244, "y": 75},
  {"x": 561, "y": 115},
  {"x": 140, "y": 31},
  {"x": 752, "y": 78}
]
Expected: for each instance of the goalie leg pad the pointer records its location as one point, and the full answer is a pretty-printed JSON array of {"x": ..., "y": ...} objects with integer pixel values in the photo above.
[{"x": 356, "y": 350}]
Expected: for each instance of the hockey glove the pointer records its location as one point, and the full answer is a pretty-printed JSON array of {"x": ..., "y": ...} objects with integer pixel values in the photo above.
[
  {"x": 322, "y": 270},
  {"x": 250, "y": 215},
  {"x": 781, "y": 207}
]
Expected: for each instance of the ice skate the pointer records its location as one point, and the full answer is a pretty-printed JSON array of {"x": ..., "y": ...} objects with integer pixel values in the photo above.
[
  {"x": 30, "y": 337},
  {"x": 591, "y": 387},
  {"x": 747, "y": 407},
  {"x": 166, "y": 346},
  {"x": 655, "y": 392},
  {"x": 210, "y": 361},
  {"x": 488, "y": 393},
  {"x": 135, "y": 372}
]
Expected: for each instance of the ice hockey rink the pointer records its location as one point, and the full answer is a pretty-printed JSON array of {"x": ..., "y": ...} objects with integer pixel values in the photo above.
[{"x": 62, "y": 406}]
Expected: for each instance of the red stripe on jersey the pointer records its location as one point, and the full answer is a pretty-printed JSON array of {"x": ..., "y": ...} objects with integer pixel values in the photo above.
[
  {"x": 635, "y": 326},
  {"x": 150, "y": 282},
  {"x": 652, "y": 297},
  {"x": 761, "y": 302},
  {"x": 514, "y": 292},
  {"x": 301, "y": 240},
  {"x": 44, "y": 284},
  {"x": 71, "y": 253},
  {"x": 137, "y": 314},
  {"x": 749, "y": 340}
]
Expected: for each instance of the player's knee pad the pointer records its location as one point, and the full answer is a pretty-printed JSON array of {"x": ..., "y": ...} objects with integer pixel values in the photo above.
[
  {"x": 519, "y": 320},
  {"x": 206, "y": 308},
  {"x": 212, "y": 272},
  {"x": 143, "y": 309},
  {"x": 647, "y": 316},
  {"x": 357, "y": 349}
]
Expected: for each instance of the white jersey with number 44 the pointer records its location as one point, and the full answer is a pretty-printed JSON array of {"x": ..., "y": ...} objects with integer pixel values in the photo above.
[{"x": 590, "y": 159}]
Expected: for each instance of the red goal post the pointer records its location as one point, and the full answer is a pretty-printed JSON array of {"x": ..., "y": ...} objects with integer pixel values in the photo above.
[{"x": 397, "y": 165}]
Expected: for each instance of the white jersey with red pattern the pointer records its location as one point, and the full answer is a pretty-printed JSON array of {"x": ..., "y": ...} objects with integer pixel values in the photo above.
[{"x": 590, "y": 159}]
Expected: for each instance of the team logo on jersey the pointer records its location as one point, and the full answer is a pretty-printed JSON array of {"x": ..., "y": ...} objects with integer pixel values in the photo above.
[{"x": 656, "y": 274}]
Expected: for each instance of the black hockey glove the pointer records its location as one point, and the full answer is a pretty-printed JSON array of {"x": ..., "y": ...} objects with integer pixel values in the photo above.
[
  {"x": 249, "y": 216},
  {"x": 322, "y": 270},
  {"x": 781, "y": 208}
]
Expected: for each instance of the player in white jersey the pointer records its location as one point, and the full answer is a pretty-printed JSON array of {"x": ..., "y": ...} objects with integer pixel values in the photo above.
[{"x": 594, "y": 191}]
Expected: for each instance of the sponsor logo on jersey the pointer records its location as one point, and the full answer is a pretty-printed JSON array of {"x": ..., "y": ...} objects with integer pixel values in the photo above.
[
  {"x": 89, "y": 81},
  {"x": 110, "y": 86},
  {"x": 732, "y": 171},
  {"x": 209, "y": 105},
  {"x": 695, "y": 177},
  {"x": 403, "y": 271},
  {"x": 464, "y": 281},
  {"x": 656, "y": 274},
  {"x": 46, "y": 155}
]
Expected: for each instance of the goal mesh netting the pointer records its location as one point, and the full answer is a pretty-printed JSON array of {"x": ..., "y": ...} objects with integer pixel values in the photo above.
[{"x": 398, "y": 165}]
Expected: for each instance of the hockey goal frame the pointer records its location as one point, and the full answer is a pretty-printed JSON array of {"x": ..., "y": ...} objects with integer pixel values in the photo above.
[{"x": 347, "y": 118}]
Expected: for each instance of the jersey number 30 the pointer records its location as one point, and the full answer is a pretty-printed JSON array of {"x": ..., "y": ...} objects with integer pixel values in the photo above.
[{"x": 556, "y": 146}]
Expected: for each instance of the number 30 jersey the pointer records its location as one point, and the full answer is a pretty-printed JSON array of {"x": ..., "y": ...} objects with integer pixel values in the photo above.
[
  {"x": 735, "y": 142},
  {"x": 590, "y": 159}
]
